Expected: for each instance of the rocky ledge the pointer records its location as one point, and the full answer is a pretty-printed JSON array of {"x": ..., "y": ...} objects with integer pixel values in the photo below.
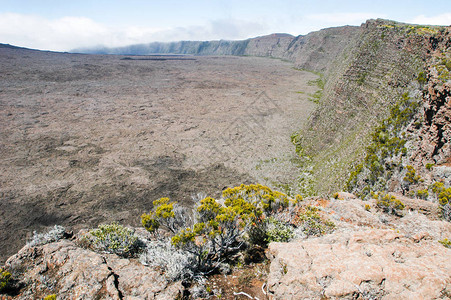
[
  {"x": 370, "y": 255},
  {"x": 64, "y": 269}
]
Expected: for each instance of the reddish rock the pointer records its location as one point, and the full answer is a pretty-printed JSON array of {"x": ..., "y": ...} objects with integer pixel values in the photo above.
[{"x": 72, "y": 272}]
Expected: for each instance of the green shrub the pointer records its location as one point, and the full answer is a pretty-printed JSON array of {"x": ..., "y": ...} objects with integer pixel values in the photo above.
[
  {"x": 429, "y": 166},
  {"x": 277, "y": 231},
  {"x": 367, "y": 207},
  {"x": 445, "y": 204},
  {"x": 221, "y": 228},
  {"x": 311, "y": 223},
  {"x": 389, "y": 203},
  {"x": 444, "y": 196},
  {"x": 113, "y": 238},
  {"x": 446, "y": 243},
  {"x": 387, "y": 142},
  {"x": 423, "y": 194},
  {"x": 5, "y": 280},
  {"x": 411, "y": 177},
  {"x": 50, "y": 297},
  {"x": 422, "y": 77}
]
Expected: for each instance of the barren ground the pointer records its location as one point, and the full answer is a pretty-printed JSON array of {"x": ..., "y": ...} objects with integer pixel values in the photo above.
[{"x": 87, "y": 139}]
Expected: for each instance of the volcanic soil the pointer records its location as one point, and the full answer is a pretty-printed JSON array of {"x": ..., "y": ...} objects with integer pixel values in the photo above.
[{"x": 87, "y": 139}]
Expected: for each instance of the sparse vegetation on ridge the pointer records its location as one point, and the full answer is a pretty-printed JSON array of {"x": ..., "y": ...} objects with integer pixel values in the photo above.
[
  {"x": 389, "y": 203},
  {"x": 384, "y": 154},
  {"x": 319, "y": 83},
  {"x": 338, "y": 131},
  {"x": 113, "y": 238},
  {"x": 5, "y": 280},
  {"x": 245, "y": 216}
]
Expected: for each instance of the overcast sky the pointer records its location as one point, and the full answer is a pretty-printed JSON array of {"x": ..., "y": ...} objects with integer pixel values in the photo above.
[{"x": 64, "y": 25}]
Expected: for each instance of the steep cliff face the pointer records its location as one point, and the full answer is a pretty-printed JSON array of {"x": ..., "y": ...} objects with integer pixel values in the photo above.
[
  {"x": 421, "y": 132},
  {"x": 380, "y": 66}
]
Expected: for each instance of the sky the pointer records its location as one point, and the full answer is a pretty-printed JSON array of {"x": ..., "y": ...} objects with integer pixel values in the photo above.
[{"x": 61, "y": 25}]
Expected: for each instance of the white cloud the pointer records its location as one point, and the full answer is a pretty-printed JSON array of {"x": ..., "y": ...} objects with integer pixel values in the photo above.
[
  {"x": 67, "y": 33},
  {"x": 343, "y": 18},
  {"x": 442, "y": 19}
]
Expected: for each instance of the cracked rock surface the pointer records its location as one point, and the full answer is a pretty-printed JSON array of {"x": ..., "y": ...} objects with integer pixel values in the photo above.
[
  {"x": 72, "y": 272},
  {"x": 365, "y": 258}
]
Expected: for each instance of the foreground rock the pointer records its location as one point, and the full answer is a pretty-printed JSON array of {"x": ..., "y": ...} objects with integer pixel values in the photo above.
[
  {"x": 397, "y": 258},
  {"x": 370, "y": 255},
  {"x": 370, "y": 263},
  {"x": 72, "y": 272}
]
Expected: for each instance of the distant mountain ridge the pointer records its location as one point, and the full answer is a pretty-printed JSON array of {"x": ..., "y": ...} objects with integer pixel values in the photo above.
[{"x": 312, "y": 51}]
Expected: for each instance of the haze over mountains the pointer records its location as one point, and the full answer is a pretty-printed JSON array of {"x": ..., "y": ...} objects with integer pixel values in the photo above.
[{"x": 303, "y": 50}]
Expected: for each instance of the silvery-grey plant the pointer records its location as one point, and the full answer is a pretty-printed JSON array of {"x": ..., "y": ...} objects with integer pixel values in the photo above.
[
  {"x": 176, "y": 264},
  {"x": 53, "y": 235}
]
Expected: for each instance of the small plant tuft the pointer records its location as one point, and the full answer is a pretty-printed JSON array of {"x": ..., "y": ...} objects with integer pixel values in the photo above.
[
  {"x": 389, "y": 203},
  {"x": 429, "y": 166},
  {"x": 5, "y": 280},
  {"x": 278, "y": 231},
  {"x": 446, "y": 243},
  {"x": 311, "y": 222},
  {"x": 113, "y": 238},
  {"x": 422, "y": 77}
]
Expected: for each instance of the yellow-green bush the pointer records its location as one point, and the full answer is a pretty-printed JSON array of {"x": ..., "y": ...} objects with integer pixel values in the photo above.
[
  {"x": 444, "y": 198},
  {"x": 221, "y": 228},
  {"x": 5, "y": 280},
  {"x": 411, "y": 176},
  {"x": 389, "y": 203},
  {"x": 423, "y": 194},
  {"x": 429, "y": 166},
  {"x": 113, "y": 238},
  {"x": 446, "y": 243}
]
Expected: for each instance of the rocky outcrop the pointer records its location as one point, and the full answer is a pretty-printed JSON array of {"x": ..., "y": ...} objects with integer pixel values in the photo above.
[
  {"x": 71, "y": 272},
  {"x": 425, "y": 130},
  {"x": 370, "y": 256},
  {"x": 433, "y": 139},
  {"x": 379, "y": 65},
  {"x": 380, "y": 264}
]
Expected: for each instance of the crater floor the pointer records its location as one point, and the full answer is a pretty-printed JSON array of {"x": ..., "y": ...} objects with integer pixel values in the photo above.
[{"x": 87, "y": 139}]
